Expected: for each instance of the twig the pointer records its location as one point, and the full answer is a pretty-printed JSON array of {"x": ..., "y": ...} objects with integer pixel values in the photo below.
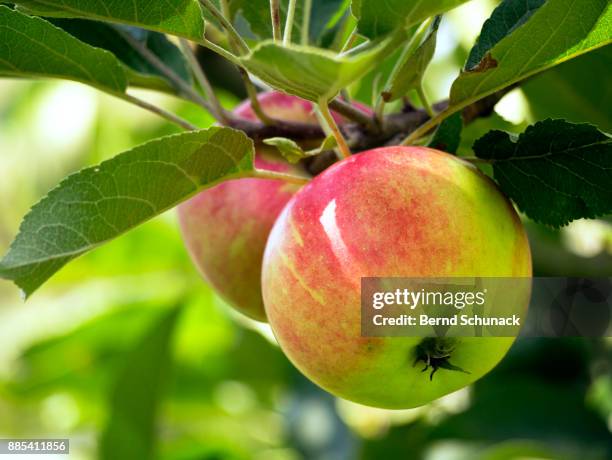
[
  {"x": 396, "y": 125},
  {"x": 306, "y": 22},
  {"x": 159, "y": 111},
  {"x": 227, "y": 25},
  {"x": 218, "y": 111},
  {"x": 276, "y": 20},
  {"x": 292, "y": 130},
  {"x": 289, "y": 22},
  {"x": 267, "y": 174},
  {"x": 352, "y": 113},
  {"x": 343, "y": 147}
]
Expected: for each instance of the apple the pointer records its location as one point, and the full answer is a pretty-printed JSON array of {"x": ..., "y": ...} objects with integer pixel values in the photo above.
[
  {"x": 225, "y": 228},
  {"x": 388, "y": 212}
]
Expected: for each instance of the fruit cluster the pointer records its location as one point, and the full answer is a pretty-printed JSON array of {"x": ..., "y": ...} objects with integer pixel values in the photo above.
[{"x": 296, "y": 258}]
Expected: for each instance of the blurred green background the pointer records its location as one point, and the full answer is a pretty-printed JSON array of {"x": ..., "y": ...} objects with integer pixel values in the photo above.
[{"x": 127, "y": 352}]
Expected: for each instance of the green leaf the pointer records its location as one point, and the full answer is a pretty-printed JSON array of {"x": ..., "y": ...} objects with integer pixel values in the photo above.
[
  {"x": 131, "y": 429},
  {"x": 509, "y": 15},
  {"x": 257, "y": 15},
  {"x": 313, "y": 73},
  {"x": 293, "y": 153},
  {"x": 328, "y": 143},
  {"x": 176, "y": 17},
  {"x": 448, "y": 135},
  {"x": 555, "y": 171},
  {"x": 32, "y": 47},
  {"x": 559, "y": 30},
  {"x": 100, "y": 203},
  {"x": 140, "y": 72},
  {"x": 288, "y": 148},
  {"x": 409, "y": 72},
  {"x": 324, "y": 14},
  {"x": 381, "y": 17},
  {"x": 564, "y": 92}
]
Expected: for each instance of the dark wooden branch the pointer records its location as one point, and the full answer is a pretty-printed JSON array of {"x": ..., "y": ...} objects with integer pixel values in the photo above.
[
  {"x": 396, "y": 126},
  {"x": 353, "y": 113},
  {"x": 292, "y": 130}
]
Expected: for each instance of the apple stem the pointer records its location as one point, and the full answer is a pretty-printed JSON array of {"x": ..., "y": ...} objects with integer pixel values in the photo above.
[
  {"x": 275, "y": 175},
  {"x": 329, "y": 124}
]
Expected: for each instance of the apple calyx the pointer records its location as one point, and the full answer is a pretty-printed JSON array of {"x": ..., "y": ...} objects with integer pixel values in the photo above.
[{"x": 436, "y": 352}]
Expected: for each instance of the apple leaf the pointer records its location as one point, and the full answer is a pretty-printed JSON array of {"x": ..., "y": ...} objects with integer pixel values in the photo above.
[
  {"x": 97, "y": 204},
  {"x": 381, "y": 17},
  {"x": 288, "y": 148},
  {"x": 139, "y": 71},
  {"x": 408, "y": 74},
  {"x": 293, "y": 153},
  {"x": 134, "y": 403},
  {"x": 314, "y": 73},
  {"x": 32, "y": 47},
  {"x": 325, "y": 15},
  {"x": 585, "y": 100},
  {"x": 448, "y": 135},
  {"x": 328, "y": 143},
  {"x": 509, "y": 15},
  {"x": 177, "y": 17},
  {"x": 557, "y": 31},
  {"x": 555, "y": 171},
  {"x": 257, "y": 15}
]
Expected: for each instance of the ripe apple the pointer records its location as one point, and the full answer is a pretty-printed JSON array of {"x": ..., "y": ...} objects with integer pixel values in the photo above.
[
  {"x": 388, "y": 212},
  {"x": 225, "y": 228}
]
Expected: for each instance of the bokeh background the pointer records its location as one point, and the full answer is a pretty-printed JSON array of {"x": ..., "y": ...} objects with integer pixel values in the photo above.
[{"x": 127, "y": 351}]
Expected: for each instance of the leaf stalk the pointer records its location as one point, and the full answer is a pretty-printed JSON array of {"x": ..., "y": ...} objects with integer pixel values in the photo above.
[
  {"x": 289, "y": 22},
  {"x": 227, "y": 25},
  {"x": 200, "y": 76},
  {"x": 306, "y": 22},
  {"x": 171, "y": 117},
  {"x": 276, "y": 20},
  {"x": 343, "y": 148},
  {"x": 275, "y": 175}
]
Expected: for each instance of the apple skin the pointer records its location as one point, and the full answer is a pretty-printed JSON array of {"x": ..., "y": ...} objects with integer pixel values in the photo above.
[
  {"x": 395, "y": 211},
  {"x": 225, "y": 228}
]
